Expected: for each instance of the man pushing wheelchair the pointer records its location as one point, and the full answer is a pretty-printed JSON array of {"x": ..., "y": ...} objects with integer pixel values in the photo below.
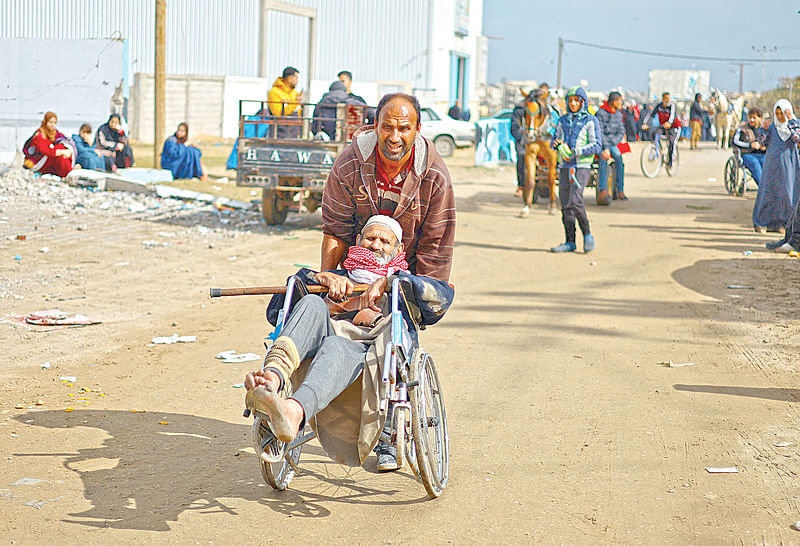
[{"x": 388, "y": 213}]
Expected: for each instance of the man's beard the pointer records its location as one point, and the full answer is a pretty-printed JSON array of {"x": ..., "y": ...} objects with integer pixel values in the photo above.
[
  {"x": 394, "y": 156},
  {"x": 383, "y": 258}
]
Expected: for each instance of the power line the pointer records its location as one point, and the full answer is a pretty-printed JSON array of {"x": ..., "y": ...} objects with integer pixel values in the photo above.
[{"x": 679, "y": 56}]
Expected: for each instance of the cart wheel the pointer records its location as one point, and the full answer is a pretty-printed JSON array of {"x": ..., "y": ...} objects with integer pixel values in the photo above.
[
  {"x": 673, "y": 171},
  {"x": 429, "y": 424},
  {"x": 730, "y": 175},
  {"x": 273, "y": 208},
  {"x": 276, "y": 474},
  {"x": 650, "y": 160}
]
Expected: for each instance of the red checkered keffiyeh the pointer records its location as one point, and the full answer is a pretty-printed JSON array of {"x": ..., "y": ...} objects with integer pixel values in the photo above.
[{"x": 360, "y": 258}]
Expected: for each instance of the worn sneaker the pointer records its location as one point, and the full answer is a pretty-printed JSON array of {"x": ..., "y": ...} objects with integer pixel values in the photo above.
[
  {"x": 785, "y": 248},
  {"x": 603, "y": 198},
  {"x": 387, "y": 460},
  {"x": 772, "y": 245},
  {"x": 564, "y": 247},
  {"x": 588, "y": 243}
]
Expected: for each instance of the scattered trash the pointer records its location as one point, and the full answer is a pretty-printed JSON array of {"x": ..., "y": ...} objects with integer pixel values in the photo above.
[
  {"x": 302, "y": 265},
  {"x": 120, "y": 264},
  {"x": 739, "y": 287},
  {"x": 238, "y": 385},
  {"x": 137, "y": 208},
  {"x": 44, "y": 249},
  {"x": 698, "y": 207},
  {"x": 21, "y": 237},
  {"x": 68, "y": 379},
  {"x": 592, "y": 263},
  {"x": 795, "y": 526},
  {"x": 45, "y": 365},
  {"x": 26, "y": 481},
  {"x": 231, "y": 357},
  {"x": 292, "y": 238},
  {"x": 203, "y": 230},
  {"x": 174, "y": 338},
  {"x": 794, "y": 254},
  {"x": 167, "y": 234},
  {"x": 67, "y": 410},
  {"x": 137, "y": 411},
  {"x": 712, "y": 179},
  {"x": 151, "y": 244},
  {"x": 783, "y": 444},
  {"x": 19, "y": 406},
  {"x": 39, "y": 503},
  {"x": 55, "y": 317},
  {"x": 747, "y": 252},
  {"x": 39, "y": 403},
  {"x": 18, "y": 257},
  {"x": 163, "y": 422},
  {"x": 231, "y": 258},
  {"x": 671, "y": 364},
  {"x": 722, "y": 470}
]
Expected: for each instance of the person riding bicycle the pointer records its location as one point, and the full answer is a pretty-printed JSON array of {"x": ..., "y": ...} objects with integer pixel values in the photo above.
[
  {"x": 751, "y": 139},
  {"x": 335, "y": 334},
  {"x": 667, "y": 114}
]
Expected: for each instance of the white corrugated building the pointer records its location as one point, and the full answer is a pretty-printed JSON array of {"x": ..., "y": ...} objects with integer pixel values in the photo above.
[{"x": 219, "y": 51}]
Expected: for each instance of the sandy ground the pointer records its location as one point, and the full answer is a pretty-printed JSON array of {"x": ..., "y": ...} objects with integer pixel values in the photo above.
[{"x": 565, "y": 429}]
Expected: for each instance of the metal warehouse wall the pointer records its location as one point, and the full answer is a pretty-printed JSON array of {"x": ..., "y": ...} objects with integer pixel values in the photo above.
[{"x": 375, "y": 39}]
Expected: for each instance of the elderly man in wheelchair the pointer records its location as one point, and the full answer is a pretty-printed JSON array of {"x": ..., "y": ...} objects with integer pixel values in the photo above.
[
  {"x": 324, "y": 366},
  {"x": 750, "y": 144}
]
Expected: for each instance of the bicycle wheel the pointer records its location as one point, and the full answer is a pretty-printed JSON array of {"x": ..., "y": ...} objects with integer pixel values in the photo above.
[
  {"x": 730, "y": 175},
  {"x": 277, "y": 474},
  {"x": 429, "y": 424},
  {"x": 673, "y": 171},
  {"x": 650, "y": 160}
]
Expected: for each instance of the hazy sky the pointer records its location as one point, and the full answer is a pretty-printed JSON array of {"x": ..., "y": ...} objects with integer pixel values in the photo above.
[{"x": 722, "y": 28}]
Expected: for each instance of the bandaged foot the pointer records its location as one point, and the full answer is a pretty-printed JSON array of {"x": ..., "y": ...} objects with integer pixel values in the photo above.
[{"x": 284, "y": 416}]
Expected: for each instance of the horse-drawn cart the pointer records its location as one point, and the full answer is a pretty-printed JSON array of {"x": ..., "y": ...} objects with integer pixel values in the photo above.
[{"x": 286, "y": 158}]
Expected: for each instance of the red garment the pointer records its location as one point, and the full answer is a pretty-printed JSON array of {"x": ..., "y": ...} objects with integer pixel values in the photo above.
[
  {"x": 390, "y": 190},
  {"x": 359, "y": 257},
  {"x": 40, "y": 154},
  {"x": 608, "y": 108}
]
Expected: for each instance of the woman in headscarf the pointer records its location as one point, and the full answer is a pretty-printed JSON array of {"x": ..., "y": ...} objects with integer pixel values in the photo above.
[
  {"x": 111, "y": 143},
  {"x": 779, "y": 189},
  {"x": 48, "y": 151},
  {"x": 181, "y": 156}
]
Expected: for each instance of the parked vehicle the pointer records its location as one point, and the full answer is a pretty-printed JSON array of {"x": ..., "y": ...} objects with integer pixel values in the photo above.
[
  {"x": 282, "y": 156},
  {"x": 445, "y": 132}
]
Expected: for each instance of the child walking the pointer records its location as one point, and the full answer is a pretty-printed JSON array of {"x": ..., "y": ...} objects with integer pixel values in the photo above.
[{"x": 578, "y": 138}]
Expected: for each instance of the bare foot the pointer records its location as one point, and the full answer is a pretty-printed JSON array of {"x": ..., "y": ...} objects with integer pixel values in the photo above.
[
  {"x": 265, "y": 378},
  {"x": 284, "y": 416}
]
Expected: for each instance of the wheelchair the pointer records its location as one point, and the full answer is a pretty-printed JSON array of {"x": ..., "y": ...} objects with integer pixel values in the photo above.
[
  {"x": 736, "y": 175},
  {"x": 409, "y": 393}
]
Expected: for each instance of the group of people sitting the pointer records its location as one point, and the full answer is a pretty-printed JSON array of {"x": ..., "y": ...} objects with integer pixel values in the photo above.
[{"x": 48, "y": 151}]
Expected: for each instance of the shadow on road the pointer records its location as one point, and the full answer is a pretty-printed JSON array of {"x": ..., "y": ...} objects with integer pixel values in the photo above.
[
  {"x": 768, "y": 393},
  {"x": 145, "y": 475}
]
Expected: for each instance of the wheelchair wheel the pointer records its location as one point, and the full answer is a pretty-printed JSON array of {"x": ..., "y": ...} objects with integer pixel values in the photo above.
[
  {"x": 429, "y": 424},
  {"x": 731, "y": 175},
  {"x": 741, "y": 184},
  {"x": 277, "y": 474},
  {"x": 650, "y": 160}
]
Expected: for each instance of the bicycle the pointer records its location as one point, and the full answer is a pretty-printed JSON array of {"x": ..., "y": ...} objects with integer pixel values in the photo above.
[{"x": 656, "y": 155}]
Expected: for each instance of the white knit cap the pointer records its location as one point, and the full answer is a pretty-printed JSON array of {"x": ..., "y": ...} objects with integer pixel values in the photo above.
[{"x": 387, "y": 221}]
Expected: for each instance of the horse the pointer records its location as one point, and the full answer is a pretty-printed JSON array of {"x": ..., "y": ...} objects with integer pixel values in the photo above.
[
  {"x": 726, "y": 117},
  {"x": 540, "y": 120}
]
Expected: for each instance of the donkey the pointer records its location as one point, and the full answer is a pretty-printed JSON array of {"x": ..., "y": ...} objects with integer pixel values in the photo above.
[{"x": 540, "y": 123}]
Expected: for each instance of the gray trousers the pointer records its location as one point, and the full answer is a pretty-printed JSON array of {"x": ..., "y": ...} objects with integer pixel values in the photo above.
[
  {"x": 571, "y": 196},
  {"x": 336, "y": 361}
]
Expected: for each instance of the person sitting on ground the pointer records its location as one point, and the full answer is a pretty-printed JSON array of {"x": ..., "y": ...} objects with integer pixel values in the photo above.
[
  {"x": 578, "y": 138},
  {"x": 325, "y": 111},
  {"x": 751, "y": 138},
  {"x": 48, "y": 151},
  {"x": 610, "y": 118},
  {"x": 111, "y": 143},
  {"x": 779, "y": 190},
  {"x": 86, "y": 156},
  {"x": 182, "y": 156},
  {"x": 310, "y": 333}
]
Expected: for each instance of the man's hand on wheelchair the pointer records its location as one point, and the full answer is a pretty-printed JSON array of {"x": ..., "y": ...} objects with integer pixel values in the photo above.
[
  {"x": 338, "y": 287},
  {"x": 372, "y": 294}
]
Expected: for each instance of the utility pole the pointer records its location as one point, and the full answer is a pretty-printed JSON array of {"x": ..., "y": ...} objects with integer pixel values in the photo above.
[
  {"x": 160, "y": 83},
  {"x": 763, "y": 50},
  {"x": 741, "y": 75},
  {"x": 560, "y": 54}
]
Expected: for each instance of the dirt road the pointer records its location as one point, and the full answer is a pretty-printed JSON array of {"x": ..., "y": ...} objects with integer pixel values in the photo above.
[{"x": 565, "y": 429}]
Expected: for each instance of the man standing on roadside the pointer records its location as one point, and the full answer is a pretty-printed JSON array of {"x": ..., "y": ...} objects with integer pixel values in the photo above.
[
  {"x": 391, "y": 169},
  {"x": 613, "y": 128},
  {"x": 696, "y": 121}
]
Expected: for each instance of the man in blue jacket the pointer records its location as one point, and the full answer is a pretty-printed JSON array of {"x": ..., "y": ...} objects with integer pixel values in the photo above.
[
  {"x": 578, "y": 138},
  {"x": 613, "y": 128}
]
